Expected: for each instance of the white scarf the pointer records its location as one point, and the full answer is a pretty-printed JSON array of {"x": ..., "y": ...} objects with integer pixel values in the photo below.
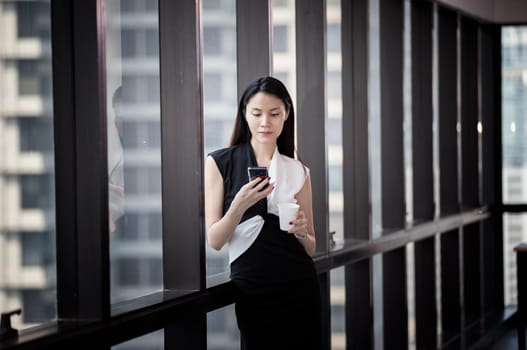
[{"x": 288, "y": 176}]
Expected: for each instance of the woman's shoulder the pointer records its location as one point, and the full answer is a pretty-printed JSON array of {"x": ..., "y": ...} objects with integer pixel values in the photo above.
[
  {"x": 293, "y": 164},
  {"x": 224, "y": 152}
]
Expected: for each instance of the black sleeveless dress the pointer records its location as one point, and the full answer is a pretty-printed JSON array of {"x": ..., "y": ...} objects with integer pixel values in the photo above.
[{"x": 279, "y": 305}]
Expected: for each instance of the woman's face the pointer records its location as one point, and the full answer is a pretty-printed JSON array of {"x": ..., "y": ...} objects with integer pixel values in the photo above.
[{"x": 265, "y": 115}]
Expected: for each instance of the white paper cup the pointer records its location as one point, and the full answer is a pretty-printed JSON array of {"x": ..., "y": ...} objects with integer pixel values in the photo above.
[{"x": 287, "y": 212}]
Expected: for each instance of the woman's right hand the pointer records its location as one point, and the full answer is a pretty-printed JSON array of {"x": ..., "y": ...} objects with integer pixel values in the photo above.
[{"x": 250, "y": 193}]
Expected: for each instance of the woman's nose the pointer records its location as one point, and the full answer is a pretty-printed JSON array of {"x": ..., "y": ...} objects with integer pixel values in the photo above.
[{"x": 264, "y": 120}]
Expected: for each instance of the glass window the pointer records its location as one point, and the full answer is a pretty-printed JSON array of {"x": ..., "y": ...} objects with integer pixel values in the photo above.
[
  {"x": 338, "y": 309},
  {"x": 281, "y": 3},
  {"x": 514, "y": 233},
  {"x": 150, "y": 341},
  {"x": 39, "y": 306},
  {"x": 27, "y": 226},
  {"x": 211, "y": 40},
  {"x": 333, "y": 44},
  {"x": 33, "y": 19},
  {"x": 220, "y": 101},
  {"x": 211, "y": 4},
  {"x": 280, "y": 38},
  {"x": 127, "y": 273},
  {"x": 134, "y": 148},
  {"x": 28, "y": 79},
  {"x": 36, "y": 134},
  {"x": 33, "y": 243},
  {"x": 213, "y": 88},
  {"x": 35, "y": 191},
  {"x": 222, "y": 330},
  {"x": 334, "y": 85},
  {"x": 514, "y": 128},
  {"x": 284, "y": 57},
  {"x": 334, "y": 119}
]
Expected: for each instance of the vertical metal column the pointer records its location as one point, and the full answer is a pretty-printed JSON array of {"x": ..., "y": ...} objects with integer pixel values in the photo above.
[
  {"x": 423, "y": 179},
  {"x": 448, "y": 173},
  {"x": 395, "y": 308},
  {"x": 447, "y": 105},
  {"x": 254, "y": 40},
  {"x": 469, "y": 113},
  {"x": 79, "y": 93},
  {"x": 182, "y": 160},
  {"x": 311, "y": 118},
  {"x": 355, "y": 168}
]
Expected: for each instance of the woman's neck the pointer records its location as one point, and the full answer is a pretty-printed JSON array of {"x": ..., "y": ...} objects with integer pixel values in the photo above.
[{"x": 263, "y": 152}]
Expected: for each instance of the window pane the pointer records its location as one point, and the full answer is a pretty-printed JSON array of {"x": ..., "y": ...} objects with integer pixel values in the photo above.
[
  {"x": 27, "y": 215},
  {"x": 514, "y": 233},
  {"x": 334, "y": 120},
  {"x": 222, "y": 330},
  {"x": 33, "y": 20},
  {"x": 280, "y": 38},
  {"x": 284, "y": 56},
  {"x": 150, "y": 341},
  {"x": 134, "y": 148},
  {"x": 514, "y": 109},
  {"x": 338, "y": 309},
  {"x": 220, "y": 99},
  {"x": 36, "y": 134}
]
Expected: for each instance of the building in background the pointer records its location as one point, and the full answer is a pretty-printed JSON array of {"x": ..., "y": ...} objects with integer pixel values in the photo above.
[
  {"x": 514, "y": 140},
  {"x": 27, "y": 215},
  {"x": 27, "y": 210}
]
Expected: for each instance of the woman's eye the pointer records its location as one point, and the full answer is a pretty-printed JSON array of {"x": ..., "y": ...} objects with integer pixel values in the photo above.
[{"x": 256, "y": 114}]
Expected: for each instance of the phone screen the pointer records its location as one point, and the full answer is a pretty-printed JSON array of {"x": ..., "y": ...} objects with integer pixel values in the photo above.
[{"x": 255, "y": 171}]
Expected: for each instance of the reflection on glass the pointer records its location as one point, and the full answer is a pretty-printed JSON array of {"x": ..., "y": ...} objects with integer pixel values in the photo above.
[
  {"x": 514, "y": 232},
  {"x": 134, "y": 148},
  {"x": 222, "y": 330},
  {"x": 27, "y": 204},
  {"x": 220, "y": 98},
  {"x": 150, "y": 341},
  {"x": 338, "y": 309},
  {"x": 514, "y": 110}
]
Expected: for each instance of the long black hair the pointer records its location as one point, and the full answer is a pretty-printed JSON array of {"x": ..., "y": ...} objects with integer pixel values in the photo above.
[{"x": 241, "y": 133}]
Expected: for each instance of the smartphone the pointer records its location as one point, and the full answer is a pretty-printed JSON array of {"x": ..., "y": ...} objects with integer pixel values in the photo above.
[{"x": 255, "y": 171}]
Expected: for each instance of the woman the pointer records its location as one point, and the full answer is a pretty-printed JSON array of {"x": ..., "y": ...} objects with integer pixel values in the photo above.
[{"x": 279, "y": 301}]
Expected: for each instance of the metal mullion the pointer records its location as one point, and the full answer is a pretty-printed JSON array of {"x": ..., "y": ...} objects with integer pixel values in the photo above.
[
  {"x": 65, "y": 157},
  {"x": 447, "y": 102},
  {"x": 422, "y": 111},
  {"x": 310, "y": 28},
  {"x": 92, "y": 164},
  {"x": 391, "y": 18},
  {"x": 423, "y": 182},
  {"x": 394, "y": 296},
  {"x": 490, "y": 127},
  {"x": 182, "y": 146},
  {"x": 355, "y": 170},
  {"x": 311, "y": 110},
  {"x": 253, "y": 41},
  {"x": 83, "y": 278},
  {"x": 182, "y": 159},
  {"x": 469, "y": 113}
]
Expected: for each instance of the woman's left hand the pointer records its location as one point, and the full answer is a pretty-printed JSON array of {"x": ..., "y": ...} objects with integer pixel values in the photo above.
[{"x": 299, "y": 224}]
